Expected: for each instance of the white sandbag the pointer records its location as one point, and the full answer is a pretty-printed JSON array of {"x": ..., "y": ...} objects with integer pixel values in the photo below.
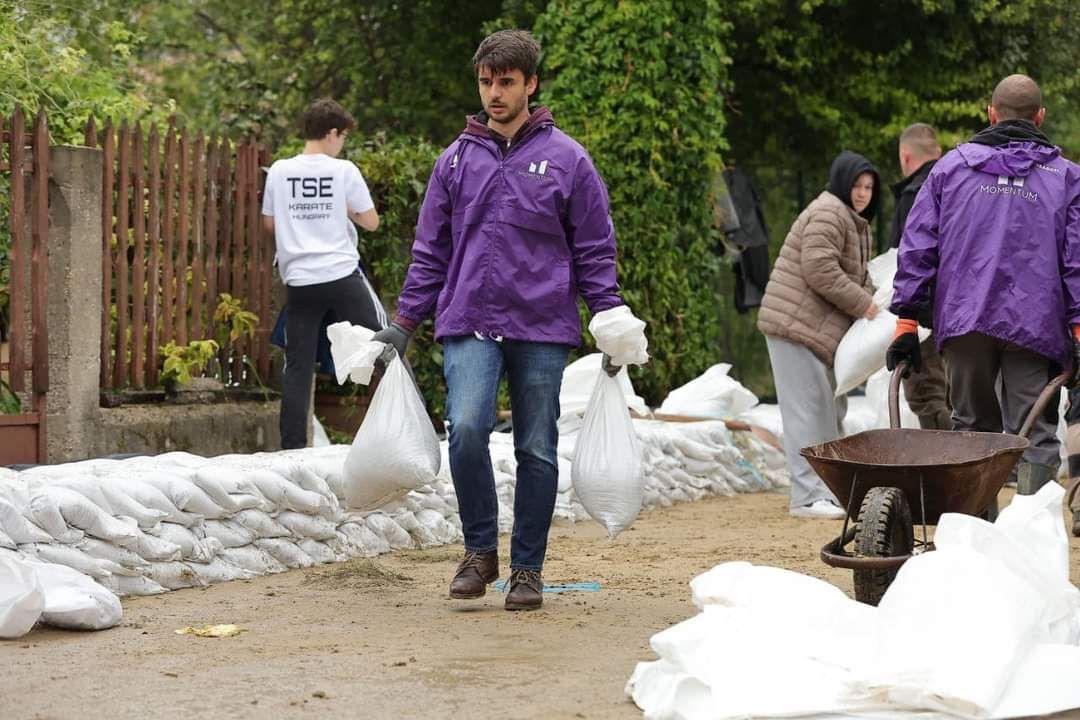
[
  {"x": 173, "y": 575},
  {"x": 123, "y": 504},
  {"x": 18, "y": 528},
  {"x": 395, "y": 449},
  {"x": 227, "y": 487},
  {"x": 73, "y": 601},
  {"x": 6, "y": 542},
  {"x": 318, "y": 551},
  {"x": 89, "y": 486},
  {"x": 218, "y": 571},
  {"x": 21, "y": 597},
  {"x": 861, "y": 352},
  {"x": 363, "y": 539},
  {"x": 877, "y": 394},
  {"x": 385, "y": 527},
  {"x": 710, "y": 395},
  {"x": 765, "y": 416},
  {"x": 150, "y": 496},
  {"x": 307, "y": 526},
  {"x": 286, "y": 552},
  {"x": 107, "y": 551},
  {"x": 186, "y": 495},
  {"x": 607, "y": 469},
  {"x": 621, "y": 335},
  {"x": 353, "y": 351},
  {"x": 150, "y": 547},
  {"x": 261, "y": 524},
  {"x": 433, "y": 529},
  {"x": 253, "y": 559},
  {"x": 229, "y": 533},
  {"x": 283, "y": 494},
  {"x": 81, "y": 513},
  {"x": 73, "y": 558},
  {"x": 319, "y": 438},
  {"x": 191, "y": 546},
  {"x": 45, "y": 511},
  {"x": 578, "y": 381},
  {"x": 137, "y": 586}
]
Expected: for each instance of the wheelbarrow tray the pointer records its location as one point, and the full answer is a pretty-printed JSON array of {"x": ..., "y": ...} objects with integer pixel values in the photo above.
[{"x": 961, "y": 472}]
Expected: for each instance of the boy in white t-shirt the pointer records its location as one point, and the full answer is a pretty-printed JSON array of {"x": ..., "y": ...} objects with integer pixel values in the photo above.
[{"x": 310, "y": 204}]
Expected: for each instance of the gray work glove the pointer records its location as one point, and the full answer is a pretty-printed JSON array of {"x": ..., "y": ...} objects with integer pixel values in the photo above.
[
  {"x": 396, "y": 339},
  {"x": 608, "y": 367}
]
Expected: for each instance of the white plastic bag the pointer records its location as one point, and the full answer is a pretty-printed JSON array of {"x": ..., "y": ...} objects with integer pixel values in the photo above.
[
  {"x": 396, "y": 449},
  {"x": 861, "y": 352},
  {"x": 21, "y": 597},
  {"x": 74, "y": 601},
  {"x": 710, "y": 395},
  {"x": 621, "y": 335},
  {"x": 353, "y": 352},
  {"x": 607, "y": 470}
]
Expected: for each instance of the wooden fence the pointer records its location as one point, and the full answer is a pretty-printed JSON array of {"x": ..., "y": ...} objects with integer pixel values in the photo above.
[
  {"x": 24, "y": 280},
  {"x": 181, "y": 224}
]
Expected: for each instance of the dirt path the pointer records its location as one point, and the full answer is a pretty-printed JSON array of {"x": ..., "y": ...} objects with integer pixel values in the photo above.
[{"x": 379, "y": 639}]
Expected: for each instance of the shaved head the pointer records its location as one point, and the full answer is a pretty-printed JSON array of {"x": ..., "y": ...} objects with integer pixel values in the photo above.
[
  {"x": 921, "y": 140},
  {"x": 1017, "y": 97}
]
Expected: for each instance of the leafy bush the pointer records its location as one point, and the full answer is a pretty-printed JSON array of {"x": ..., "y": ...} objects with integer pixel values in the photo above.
[{"x": 641, "y": 88}]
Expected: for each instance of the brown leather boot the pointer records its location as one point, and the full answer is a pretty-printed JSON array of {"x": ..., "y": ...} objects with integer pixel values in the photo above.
[
  {"x": 474, "y": 574},
  {"x": 526, "y": 590}
]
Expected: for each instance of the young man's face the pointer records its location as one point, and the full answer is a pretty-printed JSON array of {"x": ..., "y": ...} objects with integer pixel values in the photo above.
[{"x": 505, "y": 95}]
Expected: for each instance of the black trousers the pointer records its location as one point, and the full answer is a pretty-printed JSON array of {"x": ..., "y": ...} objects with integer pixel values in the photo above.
[{"x": 351, "y": 298}]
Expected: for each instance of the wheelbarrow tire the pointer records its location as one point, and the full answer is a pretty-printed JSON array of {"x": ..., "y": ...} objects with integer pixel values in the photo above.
[{"x": 884, "y": 530}]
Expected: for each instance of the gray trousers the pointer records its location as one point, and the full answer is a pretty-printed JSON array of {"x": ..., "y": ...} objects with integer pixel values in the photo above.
[
  {"x": 973, "y": 363},
  {"x": 805, "y": 389}
]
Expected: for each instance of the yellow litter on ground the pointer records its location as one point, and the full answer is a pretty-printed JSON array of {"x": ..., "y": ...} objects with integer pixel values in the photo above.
[{"x": 214, "y": 631}]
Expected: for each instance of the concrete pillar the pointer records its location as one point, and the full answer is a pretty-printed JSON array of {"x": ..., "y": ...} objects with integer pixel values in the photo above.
[{"x": 74, "y": 302}]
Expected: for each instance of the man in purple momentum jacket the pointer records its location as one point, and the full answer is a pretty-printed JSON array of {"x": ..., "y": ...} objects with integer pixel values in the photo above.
[
  {"x": 995, "y": 231},
  {"x": 514, "y": 227}
]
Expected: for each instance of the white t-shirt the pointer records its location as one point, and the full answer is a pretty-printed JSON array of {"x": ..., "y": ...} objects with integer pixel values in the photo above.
[{"x": 309, "y": 197}]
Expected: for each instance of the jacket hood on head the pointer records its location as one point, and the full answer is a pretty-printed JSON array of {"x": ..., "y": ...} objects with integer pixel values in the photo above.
[
  {"x": 1014, "y": 159},
  {"x": 846, "y": 168}
]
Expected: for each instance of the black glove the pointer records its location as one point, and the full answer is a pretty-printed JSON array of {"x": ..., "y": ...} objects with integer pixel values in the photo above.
[
  {"x": 396, "y": 339},
  {"x": 1074, "y": 379},
  {"x": 905, "y": 347},
  {"x": 611, "y": 370}
]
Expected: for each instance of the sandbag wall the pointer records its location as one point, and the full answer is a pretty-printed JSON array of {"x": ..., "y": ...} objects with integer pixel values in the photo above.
[{"x": 150, "y": 524}]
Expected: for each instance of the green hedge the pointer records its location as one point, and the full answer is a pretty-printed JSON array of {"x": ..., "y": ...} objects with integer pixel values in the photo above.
[{"x": 640, "y": 86}]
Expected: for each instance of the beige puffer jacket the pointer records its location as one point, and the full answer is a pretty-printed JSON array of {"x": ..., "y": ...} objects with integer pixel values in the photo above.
[{"x": 820, "y": 282}]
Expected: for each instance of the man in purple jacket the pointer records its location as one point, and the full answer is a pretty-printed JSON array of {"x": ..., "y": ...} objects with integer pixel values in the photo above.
[
  {"x": 995, "y": 232},
  {"x": 513, "y": 228}
]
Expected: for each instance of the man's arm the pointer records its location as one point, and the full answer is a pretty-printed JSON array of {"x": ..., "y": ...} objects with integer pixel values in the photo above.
[
  {"x": 431, "y": 255},
  {"x": 591, "y": 237},
  {"x": 821, "y": 270},
  {"x": 368, "y": 220},
  {"x": 268, "y": 223},
  {"x": 917, "y": 260}
]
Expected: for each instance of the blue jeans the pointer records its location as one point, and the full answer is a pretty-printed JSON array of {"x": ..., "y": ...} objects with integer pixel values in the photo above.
[{"x": 473, "y": 369}]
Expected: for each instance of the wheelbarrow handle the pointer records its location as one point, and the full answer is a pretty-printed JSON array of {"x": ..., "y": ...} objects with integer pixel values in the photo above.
[
  {"x": 894, "y": 393},
  {"x": 1049, "y": 393}
]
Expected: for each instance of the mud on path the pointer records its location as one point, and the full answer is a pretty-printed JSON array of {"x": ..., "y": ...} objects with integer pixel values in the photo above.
[{"x": 379, "y": 639}]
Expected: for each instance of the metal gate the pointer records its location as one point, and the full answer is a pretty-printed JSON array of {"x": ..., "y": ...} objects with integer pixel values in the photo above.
[{"x": 24, "y": 357}]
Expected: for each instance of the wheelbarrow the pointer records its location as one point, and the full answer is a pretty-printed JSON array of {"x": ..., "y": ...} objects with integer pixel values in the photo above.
[{"x": 886, "y": 479}]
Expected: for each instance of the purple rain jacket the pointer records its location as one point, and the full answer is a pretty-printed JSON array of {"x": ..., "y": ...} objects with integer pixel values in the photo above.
[
  {"x": 508, "y": 238},
  {"x": 993, "y": 242}
]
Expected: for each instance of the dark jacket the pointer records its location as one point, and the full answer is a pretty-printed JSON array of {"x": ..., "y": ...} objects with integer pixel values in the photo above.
[{"x": 904, "y": 193}]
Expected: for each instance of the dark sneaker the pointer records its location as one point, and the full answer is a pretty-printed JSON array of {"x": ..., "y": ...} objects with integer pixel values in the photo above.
[
  {"x": 474, "y": 574},
  {"x": 526, "y": 590}
]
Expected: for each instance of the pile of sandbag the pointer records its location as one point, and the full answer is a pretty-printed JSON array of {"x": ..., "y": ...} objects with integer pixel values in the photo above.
[
  {"x": 145, "y": 525},
  {"x": 986, "y": 626}
]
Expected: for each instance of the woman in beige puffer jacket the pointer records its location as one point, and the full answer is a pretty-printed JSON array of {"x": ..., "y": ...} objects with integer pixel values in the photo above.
[{"x": 819, "y": 285}]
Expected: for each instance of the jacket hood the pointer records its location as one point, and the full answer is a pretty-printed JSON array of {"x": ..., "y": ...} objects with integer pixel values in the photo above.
[
  {"x": 1014, "y": 159},
  {"x": 1008, "y": 131},
  {"x": 846, "y": 168},
  {"x": 538, "y": 117}
]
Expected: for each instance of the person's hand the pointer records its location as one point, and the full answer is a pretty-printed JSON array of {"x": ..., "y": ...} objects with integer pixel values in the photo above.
[
  {"x": 1074, "y": 379},
  {"x": 905, "y": 346},
  {"x": 396, "y": 339},
  {"x": 608, "y": 367},
  {"x": 871, "y": 312}
]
